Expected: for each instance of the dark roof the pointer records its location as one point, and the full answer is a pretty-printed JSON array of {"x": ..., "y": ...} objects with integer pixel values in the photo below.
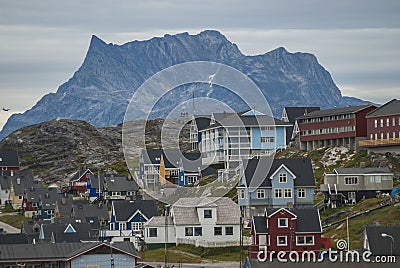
[
  {"x": 34, "y": 192},
  {"x": 258, "y": 168},
  {"x": 125, "y": 209},
  {"x": 9, "y": 158},
  {"x": 51, "y": 197},
  {"x": 336, "y": 111},
  {"x": 308, "y": 219},
  {"x": 57, "y": 251},
  {"x": 190, "y": 161},
  {"x": 13, "y": 239},
  {"x": 119, "y": 184},
  {"x": 390, "y": 108},
  {"x": 381, "y": 245},
  {"x": 202, "y": 122},
  {"x": 79, "y": 173},
  {"x": 21, "y": 181},
  {"x": 94, "y": 180},
  {"x": 260, "y": 224},
  {"x": 295, "y": 112},
  {"x": 88, "y": 211},
  {"x": 5, "y": 182},
  {"x": 372, "y": 170},
  {"x": 57, "y": 232}
]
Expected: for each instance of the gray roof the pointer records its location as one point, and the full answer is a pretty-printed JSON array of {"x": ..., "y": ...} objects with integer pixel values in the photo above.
[
  {"x": 120, "y": 184},
  {"x": 202, "y": 121},
  {"x": 51, "y": 197},
  {"x": 9, "y": 158},
  {"x": 83, "y": 231},
  {"x": 308, "y": 219},
  {"x": 185, "y": 210},
  {"x": 13, "y": 239},
  {"x": 86, "y": 212},
  {"x": 21, "y": 181},
  {"x": 373, "y": 170},
  {"x": 190, "y": 161},
  {"x": 259, "y": 168},
  {"x": 125, "y": 209},
  {"x": 381, "y": 245},
  {"x": 159, "y": 221},
  {"x": 94, "y": 180},
  {"x": 337, "y": 111},
  {"x": 390, "y": 108},
  {"x": 34, "y": 192},
  {"x": 57, "y": 251},
  {"x": 260, "y": 224},
  {"x": 5, "y": 182},
  {"x": 295, "y": 112}
]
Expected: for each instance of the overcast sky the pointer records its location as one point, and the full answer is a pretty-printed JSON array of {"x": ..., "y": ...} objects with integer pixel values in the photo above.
[{"x": 42, "y": 43}]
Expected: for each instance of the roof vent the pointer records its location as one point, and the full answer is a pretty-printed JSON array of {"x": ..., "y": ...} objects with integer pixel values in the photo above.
[{"x": 18, "y": 181}]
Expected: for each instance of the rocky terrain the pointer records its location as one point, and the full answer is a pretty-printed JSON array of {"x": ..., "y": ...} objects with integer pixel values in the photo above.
[{"x": 56, "y": 149}]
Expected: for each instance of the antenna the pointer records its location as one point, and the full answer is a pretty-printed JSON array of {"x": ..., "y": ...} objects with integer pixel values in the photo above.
[{"x": 193, "y": 102}]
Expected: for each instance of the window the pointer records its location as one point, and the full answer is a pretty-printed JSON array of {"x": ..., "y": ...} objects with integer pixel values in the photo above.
[
  {"x": 198, "y": 231},
  {"x": 281, "y": 240},
  {"x": 282, "y": 178},
  {"x": 394, "y": 135},
  {"x": 305, "y": 240},
  {"x": 350, "y": 180},
  {"x": 278, "y": 193},
  {"x": 288, "y": 193},
  {"x": 188, "y": 231},
  {"x": 376, "y": 123},
  {"x": 192, "y": 179},
  {"x": 122, "y": 226},
  {"x": 282, "y": 222},
  {"x": 242, "y": 194},
  {"x": 152, "y": 232},
  {"x": 174, "y": 172},
  {"x": 387, "y": 136},
  {"x": 137, "y": 226},
  {"x": 229, "y": 230},
  {"x": 381, "y": 136},
  {"x": 376, "y": 136},
  {"x": 381, "y": 122},
  {"x": 260, "y": 194},
  {"x": 387, "y": 122},
  {"x": 267, "y": 139},
  {"x": 217, "y": 230},
  {"x": 393, "y": 122},
  {"x": 352, "y": 196},
  {"x": 207, "y": 213},
  {"x": 371, "y": 136},
  {"x": 301, "y": 193}
]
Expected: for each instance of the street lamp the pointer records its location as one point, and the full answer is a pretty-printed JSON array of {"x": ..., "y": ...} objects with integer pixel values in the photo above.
[{"x": 392, "y": 242}]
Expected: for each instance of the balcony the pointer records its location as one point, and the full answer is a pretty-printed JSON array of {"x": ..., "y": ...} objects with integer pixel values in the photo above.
[{"x": 381, "y": 142}]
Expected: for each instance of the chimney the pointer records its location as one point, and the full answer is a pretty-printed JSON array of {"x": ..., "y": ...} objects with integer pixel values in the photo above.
[{"x": 18, "y": 181}]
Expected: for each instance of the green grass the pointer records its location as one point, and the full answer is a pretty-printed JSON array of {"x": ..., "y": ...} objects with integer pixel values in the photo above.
[
  {"x": 7, "y": 209},
  {"x": 157, "y": 255},
  {"x": 14, "y": 220}
]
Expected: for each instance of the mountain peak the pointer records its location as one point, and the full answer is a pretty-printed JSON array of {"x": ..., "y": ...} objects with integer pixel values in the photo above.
[{"x": 96, "y": 41}]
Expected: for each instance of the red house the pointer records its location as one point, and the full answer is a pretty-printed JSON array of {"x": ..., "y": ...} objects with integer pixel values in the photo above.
[
  {"x": 334, "y": 127},
  {"x": 286, "y": 230},
  {"x": 78, "y": 183},
  {"x": 9, "y": 160},
  {"x": 383, "y": 129}
]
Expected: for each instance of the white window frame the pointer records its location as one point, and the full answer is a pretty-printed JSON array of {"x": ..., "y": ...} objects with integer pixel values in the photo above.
[
  {"x": 152, "y": 228},
  {"x": 287, "y": 193},
  {"x": 387, "y": 122},
  {"x": 305, "y": 240},
  {"x": 286, "y": 222},
  {"x": 136, "y": 226},
  {"x": 351, "y": 195},
  {"x": 277, "y": 241},
  {"x": 376, "y": 123},
  {"x": 260, "y": 194},
  {"x": 381, "y": 122},
  {"x": 301, "y": 193},
  {"x": 278, "y": 193},
  {"x": 242, "y": 194},
  {"x": 353, "y": 180},
  {"x": 282, "y": 178}
]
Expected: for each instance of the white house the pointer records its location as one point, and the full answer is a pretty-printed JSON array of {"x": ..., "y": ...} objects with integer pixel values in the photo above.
[{"x": 206, "y": 222}]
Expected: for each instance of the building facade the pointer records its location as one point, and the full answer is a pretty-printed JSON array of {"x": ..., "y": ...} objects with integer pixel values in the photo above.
[
  {"x": 383, "y": 129},
  {"x": 334, "y": 127}
]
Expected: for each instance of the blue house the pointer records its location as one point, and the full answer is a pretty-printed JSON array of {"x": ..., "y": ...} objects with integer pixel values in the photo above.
[
  {"x": 231, "y": 137},
  {"x": 274, "y": 183},
  {"x": 128, "y": 217}
]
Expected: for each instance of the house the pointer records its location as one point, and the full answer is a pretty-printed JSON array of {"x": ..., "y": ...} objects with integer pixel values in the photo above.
[
  {"x": 350, "y": 185},
  {"x": 121, "y": 188},
  {"x": 78, "y": 182},
  {"x": 89, "y": 213},
  {"x": 30, "y": 203},
  {"x": 95, "y": 187},
  {"x": 286, "y": 229},
  {"x": 206, "y": 222},
  {"x": 197, "y": 124},
  {"x": 5, "y": 188},
  {"x": 290, "y": 115},
  {"x": 382, "y": 240},
  {"x": 20, "y": 238},
  {"x": 383, "y": 129},
  {"x": 269, "y": 183},
  {"x": 128, "y": 217},
  {"x": 20, "y": 182},
  {"x": 159, "y": 167},
  {"x": 334, "y": 127},
  {"x": 54, "y": 205},
  {"x": 77, "y": 255},
  {"x": 9, "y": 160},
  {"x": 231, "y": 137}
]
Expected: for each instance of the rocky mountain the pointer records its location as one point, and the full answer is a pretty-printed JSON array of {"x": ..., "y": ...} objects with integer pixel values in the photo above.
[
  {"x": 101, "y": 88},
  {"x": 56, "y": 149}
]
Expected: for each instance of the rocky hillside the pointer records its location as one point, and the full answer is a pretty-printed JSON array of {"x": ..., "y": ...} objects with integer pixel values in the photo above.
[
  {"x": 100, "y": 90},
  {"x": 55, "y": 149}
]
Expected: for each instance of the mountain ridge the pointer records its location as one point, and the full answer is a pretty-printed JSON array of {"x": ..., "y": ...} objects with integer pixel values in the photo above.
[{"x": 100, "y": 90}]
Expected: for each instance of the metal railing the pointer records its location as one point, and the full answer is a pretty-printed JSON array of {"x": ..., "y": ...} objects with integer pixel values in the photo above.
[{"x": 380, "y": 142}]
